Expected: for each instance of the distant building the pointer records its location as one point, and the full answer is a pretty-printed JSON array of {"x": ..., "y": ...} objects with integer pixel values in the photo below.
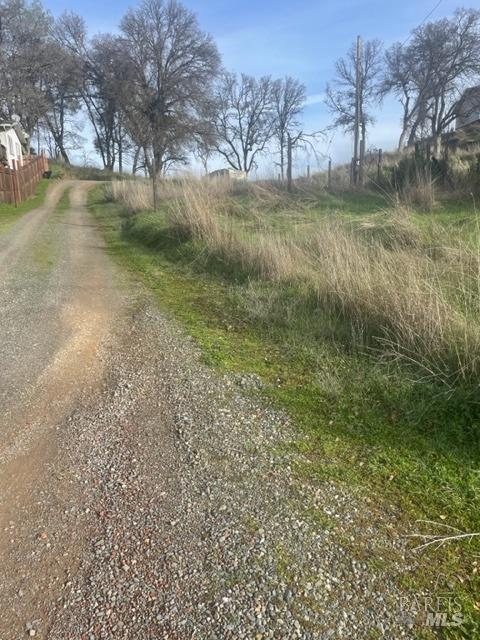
[
  {"x": 230, "y": 174},
  {"x": 468, "y": 108},
  {"x": 13, "y": 144}
]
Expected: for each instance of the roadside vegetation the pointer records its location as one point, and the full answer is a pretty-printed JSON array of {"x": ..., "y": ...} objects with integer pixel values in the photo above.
[
  {"x": 359, "y": 314},
  {"x": 62, "y": 171},
  {"x": 9, "y": 212}
]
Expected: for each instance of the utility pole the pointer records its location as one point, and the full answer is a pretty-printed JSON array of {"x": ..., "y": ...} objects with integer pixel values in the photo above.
[
  {"x": 154, "y": 180},
  {"x": 361, "y": 161},
  {"x": 329, "y": 182},
  {"x": 289, "y": 162},
  {"x": 358, "y": 77}
]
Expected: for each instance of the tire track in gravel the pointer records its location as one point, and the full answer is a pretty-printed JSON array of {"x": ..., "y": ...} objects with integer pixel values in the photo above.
[
  {"x": 52, "y": 322},
  {"x": 13, "y": 243}
]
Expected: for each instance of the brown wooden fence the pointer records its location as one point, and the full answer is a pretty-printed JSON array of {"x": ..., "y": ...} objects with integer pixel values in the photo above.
[{"x": 16, "y": 185}]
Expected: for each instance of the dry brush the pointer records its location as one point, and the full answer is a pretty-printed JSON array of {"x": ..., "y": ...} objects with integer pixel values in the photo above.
[{"x": 407, "y": 296}]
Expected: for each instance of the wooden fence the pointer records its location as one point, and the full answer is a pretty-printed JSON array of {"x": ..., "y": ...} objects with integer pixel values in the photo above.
[{"x": 16, "y": 185}]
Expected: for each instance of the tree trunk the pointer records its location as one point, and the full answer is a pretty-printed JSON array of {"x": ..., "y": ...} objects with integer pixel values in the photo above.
[
  {"x": 135, "y": 160},
  {"x": 282, "y": 159},
  {"x": 158, "y": 164},
  {"x": 401, "y": 141},
  {"x": 413, "y": 134},
  {"x": 61, "y": 148},
  {"x": 437, "y": 145},
  {"x": 405, "y": 124},
  {"x": 120, "y": 157},
  {"x": 64, "y": 155}
]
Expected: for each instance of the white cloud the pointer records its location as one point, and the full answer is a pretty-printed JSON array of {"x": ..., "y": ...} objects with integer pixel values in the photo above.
[{"x": 315, "y": 98}]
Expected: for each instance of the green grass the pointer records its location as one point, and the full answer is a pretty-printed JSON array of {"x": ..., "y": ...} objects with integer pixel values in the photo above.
[
  {"x": 63, "y": 203},
  {"x": 301, "y": 213},
  {"x": 46, "y": 250},
  {"x": 374, "y": 428},
  {"x": 9, "y": 213},
  {"x": 353, "y": 204}
]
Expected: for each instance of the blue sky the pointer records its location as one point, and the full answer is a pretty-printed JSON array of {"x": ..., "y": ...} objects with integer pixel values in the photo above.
[{"x": 302, "y": 39}]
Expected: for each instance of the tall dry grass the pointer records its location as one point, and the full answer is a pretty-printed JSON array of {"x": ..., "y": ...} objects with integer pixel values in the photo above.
[
  {"x": 204, "y": 212},
  {"x": 419, "y": 194},
  {"x": 408, "y": 297},
  {"x": 411, "y": 305},
  {"x": 135, "y": 195}
]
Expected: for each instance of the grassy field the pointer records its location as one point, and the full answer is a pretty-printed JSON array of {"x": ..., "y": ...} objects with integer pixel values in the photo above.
[
  {"x": 9, "y": 213},
  {"x": 377, "y": 423}
]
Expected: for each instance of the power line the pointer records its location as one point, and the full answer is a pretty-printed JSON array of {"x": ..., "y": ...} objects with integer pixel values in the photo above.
[{"x": 424, "y": 20}]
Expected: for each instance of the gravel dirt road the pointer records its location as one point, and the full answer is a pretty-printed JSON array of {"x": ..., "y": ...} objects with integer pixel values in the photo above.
[{"x": 143, "y": 495}]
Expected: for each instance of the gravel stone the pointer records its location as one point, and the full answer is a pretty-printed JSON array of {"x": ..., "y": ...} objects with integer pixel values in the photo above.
[{"x": 167, "y": 503}]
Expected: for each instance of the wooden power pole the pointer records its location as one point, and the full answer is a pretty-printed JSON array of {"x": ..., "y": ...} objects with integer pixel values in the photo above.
[
  {"x": 358, "y": 107},
  {"x": 154, "y": 181},
  {"x": 289, "y": 162}
]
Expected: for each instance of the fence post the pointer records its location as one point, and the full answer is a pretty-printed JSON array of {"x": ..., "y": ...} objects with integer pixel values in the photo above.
[
  {"x": 379, "y": 165},
  {"x": 429, "y": 162},
  {"x": 15, "y": 185},
  {"x": 3, "y": 184},
  {"x": 329, "y": 183}
]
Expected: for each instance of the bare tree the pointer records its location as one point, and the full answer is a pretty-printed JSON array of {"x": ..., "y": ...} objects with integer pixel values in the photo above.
[
  {"x": 103, "y": 101},
  {"x": 245, "y": 119},
  {"x": 97, "y": 63},
  {"x": 408, "y": 79},
  {"x": 341, "y": 95},
  {"x": 61, "y": 89},
  {"x": 452, "y": 47},
  {"x": 289, "y": 96},
  {"x": 24, "y": 40},
  {"x": 430, "y": 74},
  {"x": 203, "y": 151},
  {"x": 164, "y": 73},
  {"x": 350, "y": 98}
]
